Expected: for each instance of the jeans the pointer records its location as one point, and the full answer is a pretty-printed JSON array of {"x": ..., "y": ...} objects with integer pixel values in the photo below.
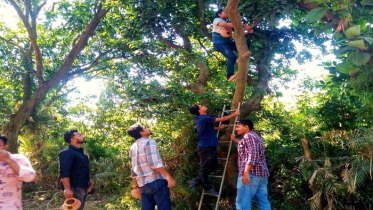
[
  {"x": 155, "y": 193},
  {"x": 80, "y": 194},
  {"x": 257, "y": 189},
  {"x": 227, "y": 50},
  {"x": 209, "y": 162}
]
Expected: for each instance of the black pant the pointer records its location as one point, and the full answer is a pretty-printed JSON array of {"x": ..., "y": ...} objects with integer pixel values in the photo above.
[{"x": 209, "y": 162}]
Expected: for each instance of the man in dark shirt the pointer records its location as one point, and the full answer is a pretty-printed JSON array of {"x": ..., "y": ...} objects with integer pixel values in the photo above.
[
  {"x": 74, "y": 168},
  {"x": 207, "y": 143}
]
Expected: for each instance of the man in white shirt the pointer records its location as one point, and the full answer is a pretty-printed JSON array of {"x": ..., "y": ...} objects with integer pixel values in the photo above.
[
  {"x": 14, "y": 169},
  {"x": 224, "y": 43}
]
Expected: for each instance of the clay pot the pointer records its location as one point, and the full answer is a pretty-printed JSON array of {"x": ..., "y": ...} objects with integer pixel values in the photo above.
[
  {"x": 136, "y": 193},
  {"x": 71, "y": 204}
]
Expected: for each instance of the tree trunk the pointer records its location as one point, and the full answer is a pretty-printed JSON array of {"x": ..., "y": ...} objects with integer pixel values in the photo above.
[
  {"x": 17, "y": 120},
  {"x": 312, "y": 184}
]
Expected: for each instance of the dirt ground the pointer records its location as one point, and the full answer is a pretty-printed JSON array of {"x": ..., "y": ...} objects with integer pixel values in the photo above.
[{"x": 44, "y": 200}]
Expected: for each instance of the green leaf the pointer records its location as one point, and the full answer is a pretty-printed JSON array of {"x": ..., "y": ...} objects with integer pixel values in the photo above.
[
  {"x": 353, "y": 32},
  {"x": 360, "y": 58},
  {"x": 316, "y": 14},
  {"x": 366, "y": 2},
  {"x": 344, "y": 68},
  {"x": 358, "y": 44},
  {"x": 368, "y": 39}
]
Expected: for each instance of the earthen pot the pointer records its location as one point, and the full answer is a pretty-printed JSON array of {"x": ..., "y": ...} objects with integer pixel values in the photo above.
[
  {"x": 136, "y": 193},
  {"x": 71, "y": 204}
]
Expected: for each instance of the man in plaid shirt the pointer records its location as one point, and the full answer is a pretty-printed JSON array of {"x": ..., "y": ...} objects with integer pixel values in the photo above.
[
  {"x": 253, "y": 172},
  {"x": 148, "y": 172}
]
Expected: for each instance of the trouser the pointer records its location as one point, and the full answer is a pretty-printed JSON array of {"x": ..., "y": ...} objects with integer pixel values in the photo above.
[
  {"x": 209, "y": 162},
  {"x": 227, "y": 49},
  {"x": 155, "y": 193},
  {"x": 256, "y": 190},
  {"x": 80, "y": 193}
]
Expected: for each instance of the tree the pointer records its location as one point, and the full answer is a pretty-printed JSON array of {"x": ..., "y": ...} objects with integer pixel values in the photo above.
[{"x": 42, "y": 69}]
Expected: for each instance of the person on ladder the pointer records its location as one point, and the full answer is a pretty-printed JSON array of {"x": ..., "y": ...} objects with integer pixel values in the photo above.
[
  {"x": 207, "y": 143},
  {"x": 223, "y": 43}
]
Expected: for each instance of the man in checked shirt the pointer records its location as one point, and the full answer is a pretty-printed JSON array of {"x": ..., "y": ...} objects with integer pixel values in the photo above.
[
  {"x": 252, "y": 168},
  {"x": 147, "y": 170}
]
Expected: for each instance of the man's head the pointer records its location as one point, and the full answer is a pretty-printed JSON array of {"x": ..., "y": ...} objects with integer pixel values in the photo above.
[
  {"x": 137, "y": 131},
  {"x": 198, "y": 109},
  {"x": 3, "y": 142},
  {"x": 244, "y": 126},
  {"x": 221, "y": 14},
  {"x": 74, "y": 137}
]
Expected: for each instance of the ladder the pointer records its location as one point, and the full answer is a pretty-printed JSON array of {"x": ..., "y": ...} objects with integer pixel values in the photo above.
[{"x": 226, "y": 161}]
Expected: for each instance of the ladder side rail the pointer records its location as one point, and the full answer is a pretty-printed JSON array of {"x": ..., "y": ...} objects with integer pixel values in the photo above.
[
  {"x": 222, "y": 113},
  {"x": 226, "y": 162}
]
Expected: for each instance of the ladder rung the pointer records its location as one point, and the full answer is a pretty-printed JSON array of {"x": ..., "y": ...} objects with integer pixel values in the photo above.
[
  {"x": 223, "y": 158},
  {"x": 216, "y": 176},
  {"x": 230, "y": 110},
  {"x": 210, "y": 194},
  {"x": 224, "y": 141}
]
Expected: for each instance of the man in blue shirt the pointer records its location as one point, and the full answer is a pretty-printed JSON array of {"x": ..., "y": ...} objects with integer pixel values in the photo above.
[
  {"x": 207, "y": 143},
  {"x": 225, "y": 44},
  {"x": 74, "y": 168}
]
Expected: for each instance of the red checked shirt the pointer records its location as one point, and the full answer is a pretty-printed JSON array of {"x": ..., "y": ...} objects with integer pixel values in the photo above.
[{"x": 251, "y": 151}]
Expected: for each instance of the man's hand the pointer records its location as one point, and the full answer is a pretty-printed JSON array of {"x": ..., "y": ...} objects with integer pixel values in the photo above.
[
  {"x": 68, "y": 193},
  {"x": 4, "y": 156},
  {"x": 171, "y": 181},
  {"x": 246, "y": 179},
  {"x": 223, "y": 126},
  {"x": 236, "y": 113},
  {"x": 89, "y": 189},
  {"x": 234, "y": 139}
]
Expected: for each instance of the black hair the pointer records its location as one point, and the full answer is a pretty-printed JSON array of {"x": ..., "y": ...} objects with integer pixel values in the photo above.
[
  {"x": 68, "y": 135},
  {"x": 219, "y": 12},
  {"x": 194, "y": 109},
  {"x": 134, "y": 130},
  {"x": 247, "y": 122},
  {"x": 4, "y": 138}
]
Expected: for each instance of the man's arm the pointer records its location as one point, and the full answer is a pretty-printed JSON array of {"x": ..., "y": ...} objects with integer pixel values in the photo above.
[
  {"x": 171, "y": 181},
  {"x": 68, "y": 193},
  {"x": 65, "y": 160},
  {"x": 225, "y": 118},
  {"x": 22, "y": 167},
  {"x": 155, "y": 162},
  {"x": 230, "y": 25},
  {"x": 221, "y": 127},
  {"x": 233, "y": 138},
  {"x": 246, "y": 174}
]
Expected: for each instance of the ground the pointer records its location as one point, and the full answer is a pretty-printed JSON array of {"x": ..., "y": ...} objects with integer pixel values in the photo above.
[{"x": 53, "y": 200}]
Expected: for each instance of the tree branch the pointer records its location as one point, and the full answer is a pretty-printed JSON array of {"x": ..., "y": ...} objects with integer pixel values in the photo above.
[
  {"x": 168, "y": 43},
  {"x": 201, "y": 14},
  {"x": 82, "y": 42},
  {"x": 31, "y": 30}
]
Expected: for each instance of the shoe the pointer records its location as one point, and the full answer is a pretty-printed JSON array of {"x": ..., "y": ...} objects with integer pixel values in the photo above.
[
  {"x": 212, "y": 192},
  {"x": 194, "y": 183},
  {"x": 231, "y": 78}
]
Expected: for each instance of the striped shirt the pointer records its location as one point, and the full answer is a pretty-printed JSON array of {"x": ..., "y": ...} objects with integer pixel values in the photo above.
[
  {"x": 144, "y": 154},
  {"x": 251, "y": 151}
]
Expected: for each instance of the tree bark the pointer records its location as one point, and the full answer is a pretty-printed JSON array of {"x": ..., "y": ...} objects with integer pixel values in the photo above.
[{"x": 312, "y": 184}]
